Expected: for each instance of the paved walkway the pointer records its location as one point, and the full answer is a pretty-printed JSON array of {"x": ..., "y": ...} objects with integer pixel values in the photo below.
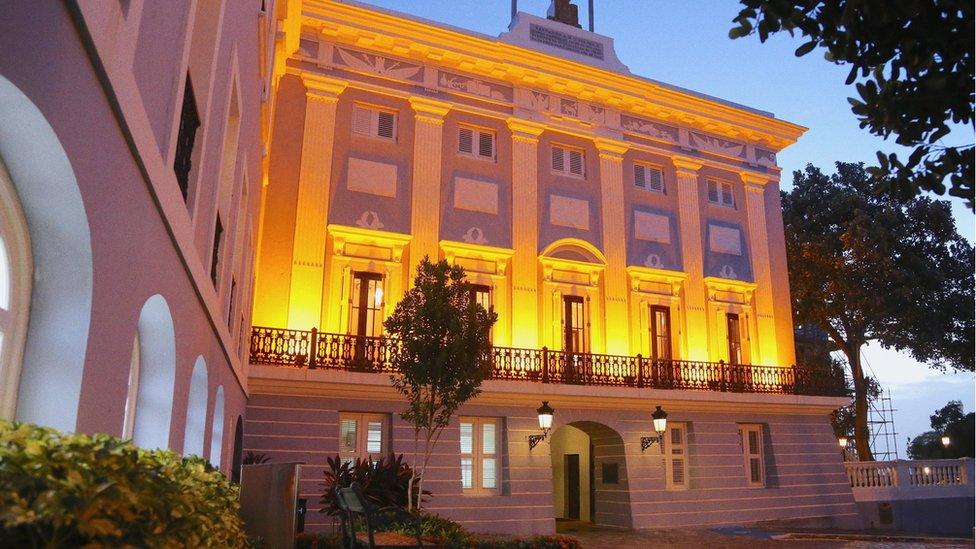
[{"x": 732, "y": 538}]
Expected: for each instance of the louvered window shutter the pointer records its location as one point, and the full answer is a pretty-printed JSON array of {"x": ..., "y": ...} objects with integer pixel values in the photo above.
[
  {"x": 486, "y": 144},
  {"x": 576, "y": 162},
  {"x": 386, "y": 125},
  {"x": 465, "y": 140},
  {"x": 558, "y": 162},
  {"x": 640, "y": 179},
  {"x": 727, "y": 194},
  {"x": 654, "y": 180},
  {"x": 361, "y": 120},
  {"x": 712, "y": 191}
]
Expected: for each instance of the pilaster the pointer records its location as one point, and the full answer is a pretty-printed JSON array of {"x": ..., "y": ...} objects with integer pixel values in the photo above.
[
  {"x": 525, "y": 232},
  {"x": 759, "y": 245},
  {"x": 315, "y": 174},
  {"x": 689, "y": 221},
  {"x": 614, "y": 245},
  {"x": 425, "y": 210}
]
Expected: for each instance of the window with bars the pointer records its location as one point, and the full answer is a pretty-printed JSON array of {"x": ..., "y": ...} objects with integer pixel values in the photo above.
[
  {"x": 480, "y": 462},
  {"x": 648, "y": 178},
  {"x": 569, "y": 162},
  {"x": 186, "y": 138},
  {"x": 476, "y": 142},
  {"x": 374, "y": 122},
  {"x": 720, "y": 193},
  {"x": 363, "y": 436},
  {"x": 676, "y": 456},
  {"x": 218, "y": 243},
  {"x": 752, "y": 454}
]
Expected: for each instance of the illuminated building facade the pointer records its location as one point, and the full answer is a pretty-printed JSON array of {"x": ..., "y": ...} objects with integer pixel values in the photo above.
[{"x": 628, "y": 233}]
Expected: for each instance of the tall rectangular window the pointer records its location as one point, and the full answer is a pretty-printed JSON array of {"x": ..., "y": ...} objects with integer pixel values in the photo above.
[
  {"x": 480, "y": 471},
  {"x": 648, "y": 178},
  {"x": 481, "y": 294},
  {"x": 476, "y": 142},
  {"x": 575, "y": 336},
  {"x": 363, "y": 436},
  {"x": 720, "y": 193},
  {"x": 374, "y": 122},
  {"x": 752, "y": 454},
  {"x": 185, "y": 138},
  {"x": 366, "y": 300},
  {"x": 734, "y": 333},
  {"x": 676, "y": 456},
  {"x": 218, "y": 242},
  {"x": 567, "y": 161},
  {"x": 660, "y": 333}
]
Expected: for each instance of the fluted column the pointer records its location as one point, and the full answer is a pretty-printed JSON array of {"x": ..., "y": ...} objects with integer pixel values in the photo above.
[
  {"x": 759, "y": 247},
  {"x": 689, "y": 221},
  {"x": 525, "y": 232},
  {"x": 425, "y": 194},
  {"x": 311, "y": 215},
  {"x": 613, "y": 219}
]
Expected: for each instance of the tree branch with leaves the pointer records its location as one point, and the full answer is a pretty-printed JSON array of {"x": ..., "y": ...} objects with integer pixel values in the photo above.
[
  {"x": 444, "y": 353},
  {"x": 866, "y": 267},
  {"x": 912, "y": 64}
]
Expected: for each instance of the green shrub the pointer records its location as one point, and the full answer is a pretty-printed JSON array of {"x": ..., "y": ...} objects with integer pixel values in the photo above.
[
  {"x": 383, "y": 482},
  {"x": 69, "y": 490},
  {"x": 437, "y": 529},
  {"x": 533, "y": 542}
]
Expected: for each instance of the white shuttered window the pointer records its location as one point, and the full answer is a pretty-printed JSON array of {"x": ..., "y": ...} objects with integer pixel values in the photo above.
[
  {"x": 480, "y": 465},
  {"x": 720, "y": 193},
  {"x": 374, "y": 122},
  {"x": 363, "y": 436},
  {"x": 476, "y": 142},
  {"x": 566, "y": 161},
  {"x": 752, "y": 455},
  {"x": 676, "y": 456},
  {"x": 648, "y": 178}
]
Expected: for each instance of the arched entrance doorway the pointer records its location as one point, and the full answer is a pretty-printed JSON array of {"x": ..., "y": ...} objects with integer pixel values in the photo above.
[{"x": 589, "y": 474}]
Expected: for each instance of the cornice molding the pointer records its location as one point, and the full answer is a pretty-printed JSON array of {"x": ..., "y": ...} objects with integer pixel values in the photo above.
[{"x": 356, "y": 26}]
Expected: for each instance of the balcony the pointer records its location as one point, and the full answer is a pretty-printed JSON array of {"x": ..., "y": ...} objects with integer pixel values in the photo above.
[{"x": 290, "y": 348}]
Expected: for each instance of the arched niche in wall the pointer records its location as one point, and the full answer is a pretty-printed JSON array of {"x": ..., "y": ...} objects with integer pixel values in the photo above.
[
  {"x": 157, "y": 374},
  {"x": 217, "y": 429},
  {"x": 238, "y": 457},
  {"x": 53, "y": 363},
  {"x": 196, "y": 410},
  {"x": 16, "y": 267}
]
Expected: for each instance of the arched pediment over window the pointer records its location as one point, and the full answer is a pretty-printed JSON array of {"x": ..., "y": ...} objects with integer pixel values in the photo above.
[{"x": 574, "y": 249}]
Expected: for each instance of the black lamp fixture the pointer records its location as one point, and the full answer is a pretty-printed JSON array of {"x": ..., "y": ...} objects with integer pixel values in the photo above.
[
  {"x": 545, "y": 423},
  {"x": 660, "y": 418}
]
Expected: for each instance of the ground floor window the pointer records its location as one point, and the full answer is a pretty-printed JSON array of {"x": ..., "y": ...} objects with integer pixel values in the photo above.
[
  {"x": 363, "y": 436},
  {"x": 752, "y": 454},
  {"x": 479, "y": 455},
  {"x": 676, "y": 456}
]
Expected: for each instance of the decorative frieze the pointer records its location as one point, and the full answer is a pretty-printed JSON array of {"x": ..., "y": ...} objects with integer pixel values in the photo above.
[
  {"x": 378, "y": 65},
  {"x": 466, "y": 84},
  {"x": 646, "y": 128},
  {"x": 717, "y": 145}
]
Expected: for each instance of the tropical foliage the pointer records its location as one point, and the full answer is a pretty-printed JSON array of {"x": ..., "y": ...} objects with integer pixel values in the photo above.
[
  {"x": 912, "y": 62},
  {"x": 950, "y": 421},
  {"x": 445, "y": 352},
  {"x": 73, "y": 490},
  {"x": 384, "y": 482}
]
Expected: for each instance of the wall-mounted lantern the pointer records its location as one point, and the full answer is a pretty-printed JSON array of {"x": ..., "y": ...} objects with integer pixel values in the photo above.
[
  {"x": 946, "y": 441},
  {"x": 660, "y": 419},
  {"x": 545, "y": 424},
  {"x": 842, "y": 441}
]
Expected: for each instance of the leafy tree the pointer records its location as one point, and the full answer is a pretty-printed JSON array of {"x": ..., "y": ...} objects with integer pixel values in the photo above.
[
  {"x": 867, "y": 267},
  {"x": 913, "y": 64},
  {"x": 949, "y": 421},
  {"x": 444, "y": 353}
]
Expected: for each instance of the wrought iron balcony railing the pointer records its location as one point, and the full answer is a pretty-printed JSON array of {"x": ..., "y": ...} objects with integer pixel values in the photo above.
[{"x": 321, "y": 350}]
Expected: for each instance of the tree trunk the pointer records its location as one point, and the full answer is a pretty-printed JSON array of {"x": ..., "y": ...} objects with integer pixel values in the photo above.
[{"x": 862, "y": 435}]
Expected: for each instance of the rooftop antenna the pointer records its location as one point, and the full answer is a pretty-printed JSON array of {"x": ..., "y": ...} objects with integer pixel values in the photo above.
[{"x": 590, "y": 18}]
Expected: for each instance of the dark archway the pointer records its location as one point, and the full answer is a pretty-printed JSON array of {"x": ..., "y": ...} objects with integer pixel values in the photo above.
[
  {"x": 590, "y": 474},
  {"x": 235, "y": 472}
]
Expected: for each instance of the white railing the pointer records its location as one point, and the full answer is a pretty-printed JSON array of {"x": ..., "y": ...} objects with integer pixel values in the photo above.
[{"x": 919, "y": 479}]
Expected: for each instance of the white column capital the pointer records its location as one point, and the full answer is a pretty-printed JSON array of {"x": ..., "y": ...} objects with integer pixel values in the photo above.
[
  {"x": 322, "y": 88},
  {"x": 610, "y": 149},
  {"x": 525, "y": 130},
  {"x": 429, "y": 110},
  {"x": 686, "y": 166},
  {"x": 756, "y": 181}
]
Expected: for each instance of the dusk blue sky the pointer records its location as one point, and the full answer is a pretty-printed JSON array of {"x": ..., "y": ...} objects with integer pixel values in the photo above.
[{"x": 686, "y": 44}]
